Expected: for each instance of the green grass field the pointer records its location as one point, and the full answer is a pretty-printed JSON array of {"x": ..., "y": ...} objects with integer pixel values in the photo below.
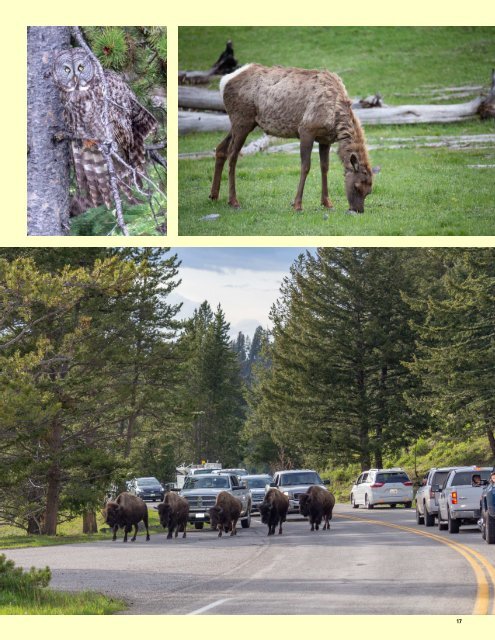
[
  {"x": 49, "y": 602},
  {"x": 419, "y": 191}
]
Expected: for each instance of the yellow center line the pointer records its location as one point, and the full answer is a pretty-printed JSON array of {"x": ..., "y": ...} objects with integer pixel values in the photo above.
[{"x": 477, "y": 561}]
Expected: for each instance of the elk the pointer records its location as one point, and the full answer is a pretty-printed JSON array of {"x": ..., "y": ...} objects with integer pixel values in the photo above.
[{"x": 294, "y": 103}]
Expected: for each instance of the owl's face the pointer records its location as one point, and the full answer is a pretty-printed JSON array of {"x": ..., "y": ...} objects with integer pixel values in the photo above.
[{"x": 73, "y": 70}]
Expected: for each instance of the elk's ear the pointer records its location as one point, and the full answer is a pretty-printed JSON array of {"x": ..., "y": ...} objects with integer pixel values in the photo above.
[{"x": 354, "y": 162}]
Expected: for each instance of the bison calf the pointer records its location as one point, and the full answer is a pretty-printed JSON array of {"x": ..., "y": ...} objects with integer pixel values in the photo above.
[
  {"x": 225, "y": 513},
  {"x": 173, "y": 512},
  {"x": 317, "y": 504},
  {"x": 127, "y": 511},
  {"x": 274, "y": 509}
]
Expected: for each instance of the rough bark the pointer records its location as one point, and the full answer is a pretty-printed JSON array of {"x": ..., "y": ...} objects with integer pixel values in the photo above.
[
  {"x": 48, "y": 162},
  {"x": 89, "y": 522},
  {"x": 54, "y": 480}
]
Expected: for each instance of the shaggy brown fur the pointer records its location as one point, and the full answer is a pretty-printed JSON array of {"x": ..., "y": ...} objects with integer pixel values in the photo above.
[
  {"x": 225, "y": 513},
  {"x": 173, "y": 512},
  {"x": 274, "y": 509},
  {"x": 318, "y": 504},
  {"x": 126, "y": 511},
  {"x": 295, "y": 103}
]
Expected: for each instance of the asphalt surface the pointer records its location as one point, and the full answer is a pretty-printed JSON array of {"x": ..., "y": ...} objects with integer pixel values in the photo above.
[{"x": 358, "y": 567}]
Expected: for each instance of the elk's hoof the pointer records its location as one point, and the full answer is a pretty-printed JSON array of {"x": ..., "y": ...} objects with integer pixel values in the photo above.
[
  {"x": 212, "y": 196},
  {"x": 234, "y": 204},
  {"x": 328, "y": 204}
]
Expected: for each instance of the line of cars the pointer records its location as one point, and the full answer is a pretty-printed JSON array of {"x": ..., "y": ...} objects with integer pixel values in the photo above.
[
  {"x": 453, "y": 496},
  {"x": 457, "y": 496}
]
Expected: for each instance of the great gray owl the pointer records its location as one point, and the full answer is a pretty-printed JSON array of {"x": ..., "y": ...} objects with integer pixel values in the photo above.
[{"x": 81, "y": 94}]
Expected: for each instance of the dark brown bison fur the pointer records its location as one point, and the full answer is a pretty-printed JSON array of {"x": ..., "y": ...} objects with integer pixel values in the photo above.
[
  {"x": 225, "y": 513},
  {"x": 317, "y": 504},
  {"x": 125, "y": 512},
  {"x": 173, "y": 512},
  {"x": 274, "y": 509}
]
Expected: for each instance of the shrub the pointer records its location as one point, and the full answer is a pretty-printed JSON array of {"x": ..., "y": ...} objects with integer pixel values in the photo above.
[{"x": 16, "y": 579}]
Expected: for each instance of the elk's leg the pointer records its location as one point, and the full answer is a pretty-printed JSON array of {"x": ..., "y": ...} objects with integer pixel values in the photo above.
[
  {"x": 239, "y": 135},
  {"x": 221, "y": 154},
  {"x": 324, "y": 150},
  {"x": 305, "y": 149}
]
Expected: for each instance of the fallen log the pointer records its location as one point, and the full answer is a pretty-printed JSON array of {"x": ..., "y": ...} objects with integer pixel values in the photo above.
[
  {"x": 208, "y": 100},
  {"x": 196, "y": 122}
]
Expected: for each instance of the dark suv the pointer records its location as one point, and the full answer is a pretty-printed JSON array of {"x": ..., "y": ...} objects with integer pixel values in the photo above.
[{"x": 147, "y": 489}]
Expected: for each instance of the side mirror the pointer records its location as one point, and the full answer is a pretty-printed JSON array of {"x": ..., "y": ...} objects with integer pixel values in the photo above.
[
  {"x": 273, "y": 484},
  {"x": 327, "y": 482}
]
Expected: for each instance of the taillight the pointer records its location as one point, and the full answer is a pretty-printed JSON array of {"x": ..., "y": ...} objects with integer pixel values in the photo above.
[
  {"x": 432, "y": 493},
  {"x": 453, "y": 497},
  {"x": 408, "y": 484},
  {"x": 377, "y": 485}
]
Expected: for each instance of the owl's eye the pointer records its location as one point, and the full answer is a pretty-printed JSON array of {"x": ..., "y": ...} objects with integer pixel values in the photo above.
[
  {"x": 80, "y": 67},
  {"x": 67, "y": 69}
]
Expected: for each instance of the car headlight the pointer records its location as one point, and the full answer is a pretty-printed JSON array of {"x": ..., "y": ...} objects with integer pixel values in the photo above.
[{"x": 287, "y": 493}]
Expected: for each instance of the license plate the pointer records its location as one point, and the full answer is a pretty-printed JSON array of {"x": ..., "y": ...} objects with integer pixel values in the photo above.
[
  {"x": 394, "y": 492},
  {"x": 200, "y": 515}
]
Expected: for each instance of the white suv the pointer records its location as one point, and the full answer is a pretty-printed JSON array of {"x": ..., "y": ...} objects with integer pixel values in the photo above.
[{"x": 382, "y": 486}]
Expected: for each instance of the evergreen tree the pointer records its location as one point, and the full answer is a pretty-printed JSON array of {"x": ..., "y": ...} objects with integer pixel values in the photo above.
[
  {"x": 212, "y": 401},
  {"x": 456, "y": 350},
  {"x": 341, "y": 332}
]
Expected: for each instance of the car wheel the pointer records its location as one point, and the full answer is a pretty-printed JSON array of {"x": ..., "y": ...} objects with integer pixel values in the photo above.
[
  {"x": 393, "y": 505},
  {"x": 419, "y": 518},
  {"x": 367, "y": 504},
  {"x": 490, "y": 529},
  {"x": 198, "y": 525},
  {"x": 441, "y": 525},
  {"x": 353, "y": 503},
  {"x": 483, "y": 527},
  {"x": 246, "y": 522},
  {"x": 453, "y": 525},
  {"x": 429, "y": 518},
  {"x": 407, "y": 505}
]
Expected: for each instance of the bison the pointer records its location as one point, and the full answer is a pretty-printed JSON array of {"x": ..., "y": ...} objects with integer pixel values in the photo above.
[
  {"x": 126, "y": 511},
  {"x": 274, "y": 509},
  {"x": 173, "y": 512},
  {"x": 318, "y": 504},
  {"x": 225, "y": 513}
]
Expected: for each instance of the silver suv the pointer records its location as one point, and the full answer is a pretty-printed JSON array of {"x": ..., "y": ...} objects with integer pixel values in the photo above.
[
  {"x": 427, "y": 495},
  {"x": 382, "y": 486}
]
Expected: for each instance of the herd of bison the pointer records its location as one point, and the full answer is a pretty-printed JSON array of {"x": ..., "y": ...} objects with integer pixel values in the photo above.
[{"x": 128, "y": 510}]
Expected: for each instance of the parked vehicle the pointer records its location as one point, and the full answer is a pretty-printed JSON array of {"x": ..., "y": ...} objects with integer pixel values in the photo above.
[
  {"x": 185, "y": 470},
  {"x": 294, "y": 482},
  {"x": 427, "y": 495},
  {"x": 460, "y": 497},
  {"x": 382, "y": 486},
  {"x": 238, "y": 472},
  {"x": 487, "y": 507},
  {"x": 146, "y": 489},
  {"x": 256, "y": 483},
  {"x": 201, "y": 492}
]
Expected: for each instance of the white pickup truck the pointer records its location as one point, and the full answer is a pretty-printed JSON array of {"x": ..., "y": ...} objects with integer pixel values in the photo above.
[
  {"x": 201, "y": 493},
  {"x": 459, "y": 499}
]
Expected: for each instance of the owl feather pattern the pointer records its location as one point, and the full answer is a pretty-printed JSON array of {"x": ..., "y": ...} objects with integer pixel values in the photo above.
[{"x": 130, "y": 123}]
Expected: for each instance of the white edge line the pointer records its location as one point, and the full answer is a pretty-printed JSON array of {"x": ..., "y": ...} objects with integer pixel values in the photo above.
[{"x": 208, "y": 606}]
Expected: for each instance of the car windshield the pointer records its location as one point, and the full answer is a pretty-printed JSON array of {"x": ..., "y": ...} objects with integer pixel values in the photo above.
[
  {"x": 145, "y": 482},
  {"x": 198, "y": 472},
  {"x": 257, "y": 483},
  {"x": 465, "y": 478},
  {"x": 309, "y": 477},
  {"x": 392, "y": 476},
  {"x": 206, "y": 482}
]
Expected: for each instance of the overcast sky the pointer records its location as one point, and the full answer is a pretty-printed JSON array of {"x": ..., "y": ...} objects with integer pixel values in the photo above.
[{"x": 245, "y": 281}]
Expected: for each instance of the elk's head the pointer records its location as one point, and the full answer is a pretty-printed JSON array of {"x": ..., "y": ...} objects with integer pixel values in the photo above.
[{"x": 358, "y": 183}]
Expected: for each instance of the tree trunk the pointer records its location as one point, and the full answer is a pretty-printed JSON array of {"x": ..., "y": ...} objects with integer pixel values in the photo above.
[
  {"x": 89, "y": 522},
  {"x": 54, "y": 480},
  {"x": 491, "y": 440},
  {"x": 48, "y": 161}
]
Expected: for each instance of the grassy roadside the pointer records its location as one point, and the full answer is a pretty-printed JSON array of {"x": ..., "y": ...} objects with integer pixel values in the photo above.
[
  {"x": 49, "y": 602},
  {"x": 69, "y": 533}
]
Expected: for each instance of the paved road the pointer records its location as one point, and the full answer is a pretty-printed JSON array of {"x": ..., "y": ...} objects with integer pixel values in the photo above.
[{"x": 365, "y": 564}]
